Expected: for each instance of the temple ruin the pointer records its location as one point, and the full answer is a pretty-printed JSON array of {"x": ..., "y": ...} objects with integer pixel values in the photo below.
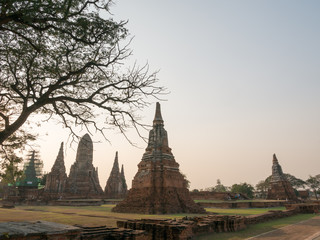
[
  {"x": 32, "y": 171},
  {"x": 116, "y": 186},
  {"x": 83, "y": 181},
  {"x": 56, "y": 179},
  {"x": 280, "y": 187},
  {"x": 158, "y": 187}
]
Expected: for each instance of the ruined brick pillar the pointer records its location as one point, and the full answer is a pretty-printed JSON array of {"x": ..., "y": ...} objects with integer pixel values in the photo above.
[
  {"x": 158, "y": 187},
  {"x": 115, "y": 187},
  {"x": 56, "y": 179},
  {"x": 83, "y": 181},
  {"x": 280, "y": 187}
]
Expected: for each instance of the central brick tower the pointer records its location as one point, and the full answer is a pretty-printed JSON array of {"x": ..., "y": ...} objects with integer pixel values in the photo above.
[
  {"x": 280, "y": 187},
  {"x": 158, "y": 187}
]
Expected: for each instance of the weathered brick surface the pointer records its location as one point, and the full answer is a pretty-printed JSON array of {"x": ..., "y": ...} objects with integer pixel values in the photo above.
[
  {"x": 158, "y": 187},
  {"x": 116, "y": 186},
  {"x": 224, "y": 196},
  {"x": 185, "y": 228},
  {"x": 56, "y": 179},
  {"x": 83, "y": 178},
  {"x": 280, "y": 187},
  {"x": 38, "y": 230},
  {"x": 304, "y": 207},
  {"x": 264, "y": 217}
]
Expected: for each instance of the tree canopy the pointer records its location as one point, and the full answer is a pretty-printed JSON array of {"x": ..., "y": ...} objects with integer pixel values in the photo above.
[
  {"x": 243, "y": 188},
  {"x": 294, "y": 181},
  {"x": 65, "y": 58},
  {"x": 314, "y": 183}
]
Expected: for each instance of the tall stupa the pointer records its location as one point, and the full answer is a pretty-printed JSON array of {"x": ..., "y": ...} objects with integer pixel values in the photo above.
[
  {"x": 158, "y": 187},
  {"x": 83, "y": 181}
]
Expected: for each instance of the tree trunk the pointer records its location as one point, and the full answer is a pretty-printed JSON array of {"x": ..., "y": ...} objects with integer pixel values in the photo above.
[
  {"x": 9, "y": 130},
  {"x": 315, "y": 193}
]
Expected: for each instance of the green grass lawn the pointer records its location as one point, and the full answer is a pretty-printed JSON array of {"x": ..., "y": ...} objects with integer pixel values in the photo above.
[
  {"x": 242, "y": 211},
  {"x": 87, "y": 215}
]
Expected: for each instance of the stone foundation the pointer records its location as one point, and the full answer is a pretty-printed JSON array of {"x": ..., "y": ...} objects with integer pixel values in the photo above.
[
  {"x": 148, "y": 229},
  {"x": 304, "y": 207},
  {"x": 185, "y": 228},
  {"x": 281, "y": 190},
  {"x": 223, "y": 196},
  {"x": 165, "y": 200},
  {"x": 38, "y": 230}
]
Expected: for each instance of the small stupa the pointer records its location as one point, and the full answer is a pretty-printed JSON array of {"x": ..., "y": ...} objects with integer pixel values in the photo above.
[
  {"x": 114, "y": 186},
  {"x": 56, "y": 179},
  {"x": 280, "y": 187},
  {"x": 158, "y": 187}
]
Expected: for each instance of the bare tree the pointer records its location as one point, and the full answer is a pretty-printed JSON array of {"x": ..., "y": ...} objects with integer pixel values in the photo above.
[{"x": 63, "y": 58}]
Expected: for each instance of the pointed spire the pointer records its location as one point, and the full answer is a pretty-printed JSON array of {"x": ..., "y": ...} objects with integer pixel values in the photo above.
[
  {"x": 116, "y": 159},
  {"x": 122, "y": 171},
  {"x": 123, "y": 180},
  {"x": 115, "y": 168},
  {"x": 275, "y": 160},
  {"x": 277, "y": 173},
  {"x": 60, "y": 154},
  {"x": 158, "y": 118},
  {"x": 58, "y": 165}
]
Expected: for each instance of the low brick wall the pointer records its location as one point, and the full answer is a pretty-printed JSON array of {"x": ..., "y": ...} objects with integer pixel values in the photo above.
[
  {"x": 304, "y": 207},
  {"x": 245, "y": 204},
  {"x": 185, "y": 228},
  {"x": 80, "y": 202},
  {"x": 271, "y": 215}
]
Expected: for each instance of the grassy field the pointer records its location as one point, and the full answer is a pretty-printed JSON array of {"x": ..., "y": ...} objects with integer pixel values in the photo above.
[
  {"x": 88, "y": 216},
  {"x": 97, "y": 215},
  {"x": 102, "y": 215},
  {"x": 242, "y": 211}
]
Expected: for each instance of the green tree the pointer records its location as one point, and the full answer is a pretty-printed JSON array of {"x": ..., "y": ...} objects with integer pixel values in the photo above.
[
  {"x": 262, "y": 187},
  {"x": 314, "y": 183},
  {"x": 220, "y": 187},
  {"x": 243, "y": 188},
  {"x": 294, "y": 181},
  {"x": 186, "y": 181},
  {"x": 65, "y": 58},
  {"x": 10, "y": 169},
  {"x": 43, "y": 179}
]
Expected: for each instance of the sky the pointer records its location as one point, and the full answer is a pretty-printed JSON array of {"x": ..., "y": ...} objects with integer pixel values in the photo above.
[{"x": 244, "y": 83}]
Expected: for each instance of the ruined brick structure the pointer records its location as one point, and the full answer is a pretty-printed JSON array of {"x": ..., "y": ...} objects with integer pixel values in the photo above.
[
  {"x": 280, "y": 187},
  {"x": 116, "y": 186},
  {"x": 56, "y": 179},
  {"x": 123, "y": 180},
  {"x": 83, "y": 181},
  {"x": 158, "y": 187}
]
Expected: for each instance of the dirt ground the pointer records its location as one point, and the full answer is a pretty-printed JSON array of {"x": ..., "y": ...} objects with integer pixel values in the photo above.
[{"x": 306, "y": 230}]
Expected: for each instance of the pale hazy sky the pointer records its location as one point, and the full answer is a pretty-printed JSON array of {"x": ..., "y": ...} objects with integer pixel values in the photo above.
[{"x": 244, "y": 82}]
